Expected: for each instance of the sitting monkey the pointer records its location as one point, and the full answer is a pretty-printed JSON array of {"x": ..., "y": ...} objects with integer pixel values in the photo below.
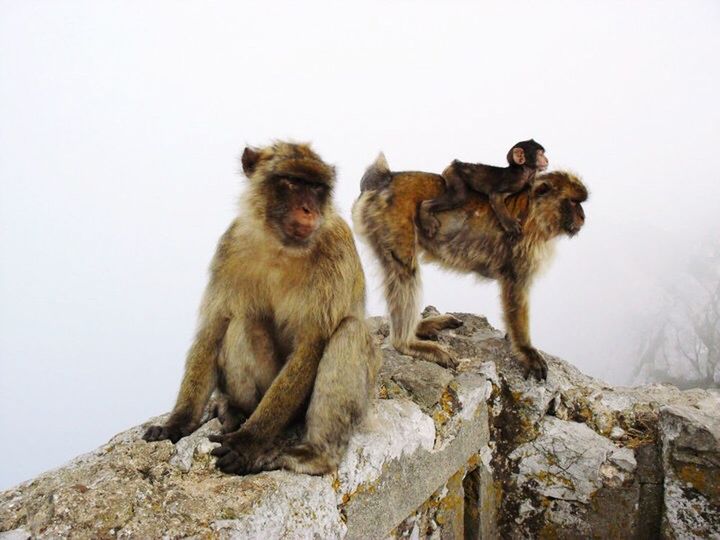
[
  {"x": 282, "y": 334},
  {"x": 525, "y": 159}
]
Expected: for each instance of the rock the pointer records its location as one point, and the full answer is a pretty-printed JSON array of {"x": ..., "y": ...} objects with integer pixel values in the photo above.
[
  {"x": 476, "y": 452},
  {"x": 570, "y": 461},
  {"x": 691, "y": 461},
  {"x": 17, "y": 534}
]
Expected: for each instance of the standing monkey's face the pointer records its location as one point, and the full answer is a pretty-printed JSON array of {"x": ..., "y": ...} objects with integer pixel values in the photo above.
[
  {"x": 296, "y": 209},
  {"x": 558, "y": 197}
]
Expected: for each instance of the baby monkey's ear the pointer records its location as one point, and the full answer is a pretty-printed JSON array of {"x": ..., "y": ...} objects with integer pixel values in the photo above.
[{"x": 518, "y": 156}]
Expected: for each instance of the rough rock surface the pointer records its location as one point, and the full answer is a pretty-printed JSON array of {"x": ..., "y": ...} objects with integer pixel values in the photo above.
[
  {"x": 691, "y": 461},
  {"x": 476, "y": 452}
]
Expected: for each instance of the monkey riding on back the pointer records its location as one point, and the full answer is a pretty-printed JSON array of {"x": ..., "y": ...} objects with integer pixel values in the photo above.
[{"x": 525, "y": 159}]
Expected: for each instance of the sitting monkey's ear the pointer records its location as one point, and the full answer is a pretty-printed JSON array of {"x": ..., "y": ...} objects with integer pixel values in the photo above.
[
  {"x": 518, "y": 155},
  {"x": 249, "y": 160}
]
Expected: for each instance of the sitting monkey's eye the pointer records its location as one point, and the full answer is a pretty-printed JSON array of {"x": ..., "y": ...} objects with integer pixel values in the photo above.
[{"x": 287, "y": 183}]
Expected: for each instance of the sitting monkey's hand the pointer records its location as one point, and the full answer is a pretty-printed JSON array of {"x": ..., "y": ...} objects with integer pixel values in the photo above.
[
  {"x": 171, "y": 430},
  {"x": 238, "y": 452},
  {"x": 532, "y": 363}
]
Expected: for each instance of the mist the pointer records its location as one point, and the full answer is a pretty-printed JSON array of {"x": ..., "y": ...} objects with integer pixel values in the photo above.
[{"x": 121, "y": 125}]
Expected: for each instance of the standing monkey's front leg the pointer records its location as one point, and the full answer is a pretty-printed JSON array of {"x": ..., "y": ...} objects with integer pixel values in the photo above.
[
  {"x": 246, "y": 449},
  {"x": 198, "y": 382},
  {"x": 517, "y": 322}
]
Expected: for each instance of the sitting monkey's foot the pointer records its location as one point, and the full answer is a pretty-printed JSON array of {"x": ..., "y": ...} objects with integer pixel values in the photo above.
[{"x": 238, "y": 453}]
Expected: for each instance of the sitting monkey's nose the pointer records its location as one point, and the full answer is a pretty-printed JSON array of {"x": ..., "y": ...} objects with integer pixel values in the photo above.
[{"x": 304, "y": 224}]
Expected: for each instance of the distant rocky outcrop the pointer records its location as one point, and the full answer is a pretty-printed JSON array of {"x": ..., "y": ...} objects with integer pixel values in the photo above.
[{"x": 477, "y": 453}]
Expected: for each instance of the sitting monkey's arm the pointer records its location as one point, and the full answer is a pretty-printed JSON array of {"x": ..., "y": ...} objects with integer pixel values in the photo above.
[
  {"x": 241, "y": 450},
  {"x": 200, "y": 375}
]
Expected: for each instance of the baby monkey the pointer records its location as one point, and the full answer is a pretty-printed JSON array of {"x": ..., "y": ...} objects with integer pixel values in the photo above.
[{"x": 525, "y": 159}]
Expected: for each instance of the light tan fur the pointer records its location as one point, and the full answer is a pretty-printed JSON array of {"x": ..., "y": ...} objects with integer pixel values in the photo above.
[
  {"x": 281, "y": 325},
  {"x": 469, "y": 239}
]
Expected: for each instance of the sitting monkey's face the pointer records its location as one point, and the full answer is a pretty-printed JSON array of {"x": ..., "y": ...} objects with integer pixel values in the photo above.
[
  {"x": 296, "y": 209},
  {"x": 291, "y": 191}
]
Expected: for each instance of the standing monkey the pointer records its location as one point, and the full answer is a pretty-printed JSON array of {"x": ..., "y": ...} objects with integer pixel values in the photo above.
[
  {"x": 469, "y": 239},
  {"x": 282, "y": 324},
  {"x": 524, "y": 160}
]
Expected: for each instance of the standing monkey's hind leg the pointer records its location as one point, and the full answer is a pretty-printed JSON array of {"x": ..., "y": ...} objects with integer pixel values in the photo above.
[{"x": 430, "y": 327}]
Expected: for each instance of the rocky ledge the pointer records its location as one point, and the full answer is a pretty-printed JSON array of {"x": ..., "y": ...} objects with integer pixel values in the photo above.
[{"x": 477, "y": 452}]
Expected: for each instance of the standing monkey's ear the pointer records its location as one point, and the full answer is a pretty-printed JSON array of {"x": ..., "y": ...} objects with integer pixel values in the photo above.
[
  {"x": 541, "y": 188},
  {"x": 249, "y": 160},
  {"x": 518, "y": 156}
]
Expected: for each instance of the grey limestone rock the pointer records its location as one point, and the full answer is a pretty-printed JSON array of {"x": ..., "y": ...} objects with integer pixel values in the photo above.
[{"x": 477, "y": 451}]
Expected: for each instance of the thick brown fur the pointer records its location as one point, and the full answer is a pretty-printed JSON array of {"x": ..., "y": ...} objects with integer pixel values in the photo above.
[
  {"x": 469, "y": 239},
  {"x": 282, "y": 325}
]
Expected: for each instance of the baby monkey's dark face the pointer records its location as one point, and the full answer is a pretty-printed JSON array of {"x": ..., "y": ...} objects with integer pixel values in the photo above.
[
  {"x": 530, "y": 154},
  {"x": 298, "y": 207},
  {"x": 541, "y": 160}
]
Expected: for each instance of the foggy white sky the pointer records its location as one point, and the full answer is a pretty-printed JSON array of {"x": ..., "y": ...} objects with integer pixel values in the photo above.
[{"x": 121, "y": 124}]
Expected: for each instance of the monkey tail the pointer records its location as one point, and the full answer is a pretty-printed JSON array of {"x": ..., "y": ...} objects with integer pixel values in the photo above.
[{"x": 377, "y": 175}]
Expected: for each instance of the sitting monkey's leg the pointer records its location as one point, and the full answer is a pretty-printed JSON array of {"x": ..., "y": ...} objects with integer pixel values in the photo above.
[
  {"x": 198, "y": 382},
  {"x": 247, "y": 366},
  {"x": 455, "y": 195},
  {"x": 253, "y": 445},
  {"x": 229, "y": 416},
  {"x": 343, "y": 387}
]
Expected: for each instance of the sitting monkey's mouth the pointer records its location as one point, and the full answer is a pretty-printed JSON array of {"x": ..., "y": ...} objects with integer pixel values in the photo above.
[
  {"x": 297, "y": 238},
  {"x": 300, "y": 234}
]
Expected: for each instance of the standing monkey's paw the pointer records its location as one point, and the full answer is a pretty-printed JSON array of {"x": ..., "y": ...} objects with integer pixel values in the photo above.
[
  {"x": 444, "y": 358},
  {"x": 452, "y": 322},
  {"x": 533, "y": 363}
]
